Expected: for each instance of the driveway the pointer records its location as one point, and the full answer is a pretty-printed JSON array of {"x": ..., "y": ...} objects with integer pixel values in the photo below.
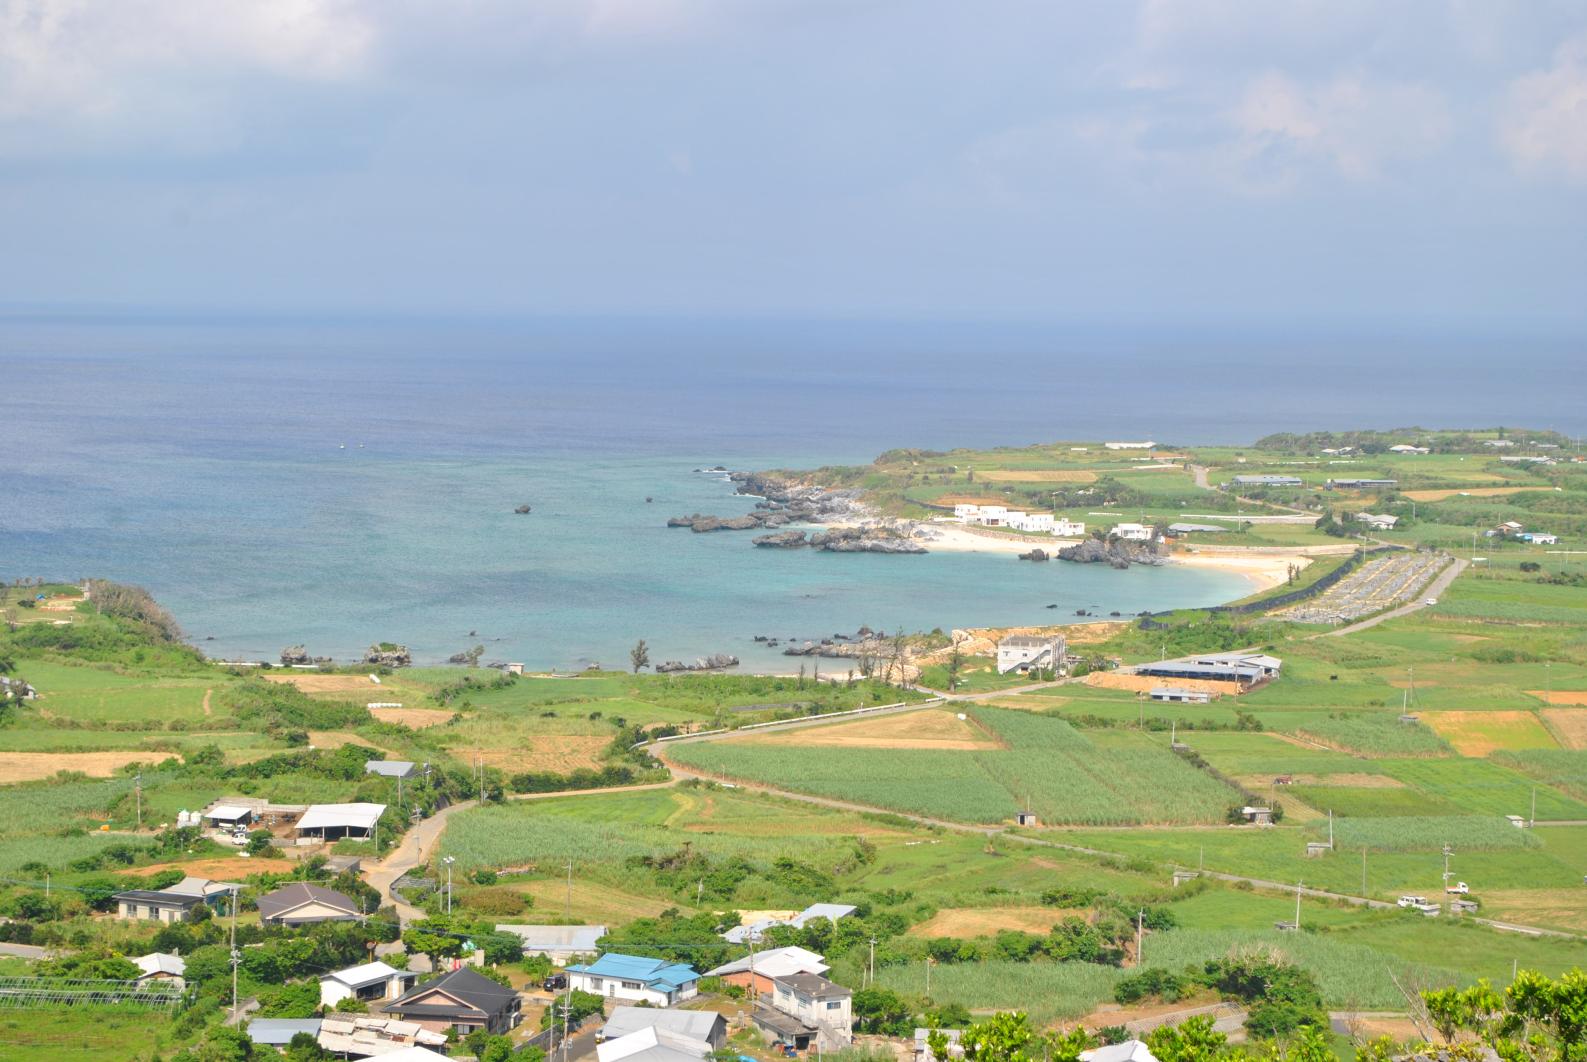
[{"x": 414, "y": 851}]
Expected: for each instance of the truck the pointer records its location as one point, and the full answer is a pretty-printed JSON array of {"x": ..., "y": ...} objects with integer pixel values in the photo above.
[{"x": 1459, "y": 888}]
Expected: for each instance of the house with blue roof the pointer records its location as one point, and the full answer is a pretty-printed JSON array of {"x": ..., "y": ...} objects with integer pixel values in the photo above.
[{"x": 635, "y": 977}]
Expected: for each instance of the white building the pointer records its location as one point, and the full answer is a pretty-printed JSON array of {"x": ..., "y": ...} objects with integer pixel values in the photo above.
[
  {"x": 830, "y": 911},
  {"x": 1133, "y": 532},
  {"x": 1128, "y": 1051},
  {"x": 654, "y": 981},
  {"x": 1040, "y": 523},
  {"x": 1068, "y": 528},
  {"x": 371, "y": 981},
  {"x": 805, "y": 1011},
  {"x": 557, "y": 943},
  {"x": 1538, "y": 538},
  {"x": 1378, "y": 521},
  {"x": 1403, "y": 448},
  {"x": 1024, "y": 652},
  {"x": 159, "y": 966},
  {"x": 653, "y": 1044},
  {"x": 1147, "y": 445},
  {"x": 330, "y": 822}
]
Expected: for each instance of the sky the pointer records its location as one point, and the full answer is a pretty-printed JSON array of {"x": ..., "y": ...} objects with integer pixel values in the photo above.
[{"x": 1310, "y": 163}]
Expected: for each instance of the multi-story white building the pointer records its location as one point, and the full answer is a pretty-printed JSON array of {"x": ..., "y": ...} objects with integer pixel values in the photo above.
[
  {"x": 1133, "y": 532},
  {"x": 1068, "y": 528}
]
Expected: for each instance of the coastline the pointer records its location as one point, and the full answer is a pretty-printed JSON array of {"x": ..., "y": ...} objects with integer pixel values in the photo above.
[{"x": 1264, "y": 570}]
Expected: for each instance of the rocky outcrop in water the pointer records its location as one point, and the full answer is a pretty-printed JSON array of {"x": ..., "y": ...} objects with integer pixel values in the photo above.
[
  {"x": 388, "y": 655},
  {"x": 699, "y": 523},
  {"x": 1037, "y": 554},
  {"x": 877, "y": 539},
  {"x": 520, "y": 510},
  {"x": 782, "y": 540},
  {"x": 1120, "y": 553},
  {"x": 294, "y": 654},
  {"x": 714, "y": 662}
]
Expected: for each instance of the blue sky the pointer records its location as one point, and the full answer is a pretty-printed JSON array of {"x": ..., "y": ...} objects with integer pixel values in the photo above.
[{"x": 1331, "y": 163}]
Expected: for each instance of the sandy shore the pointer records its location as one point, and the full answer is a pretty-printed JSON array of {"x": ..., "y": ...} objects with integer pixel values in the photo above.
[{"x": 1263, "y": 570}]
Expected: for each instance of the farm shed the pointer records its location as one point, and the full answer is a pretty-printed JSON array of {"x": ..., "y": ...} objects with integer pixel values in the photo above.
[
  {"x": 1196, "y": 529},
  {"x": 1267, "y": 481},
  {"x": 753, "y": 931},
  {"x": 278, "y": 1032},
  {"x": 1128, "y": 1051},
  {"x": 1259, "y": 816},
  {"x": 229, "y": 815},
  {"x": 1180, "y": 695},
  {"x": 330, "y": 822},
  {"x": 391, "y": 768}
]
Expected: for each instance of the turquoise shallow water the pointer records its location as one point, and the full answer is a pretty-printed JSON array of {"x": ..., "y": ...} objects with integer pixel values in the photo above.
[{"x": 338, "y": 485}]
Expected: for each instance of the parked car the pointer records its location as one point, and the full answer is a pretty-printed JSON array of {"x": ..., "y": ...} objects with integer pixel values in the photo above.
[
  {"x": 1459, "y": 888},
  {"x": 555, "y": 983},
  {"x": 1412, "y": 901}
]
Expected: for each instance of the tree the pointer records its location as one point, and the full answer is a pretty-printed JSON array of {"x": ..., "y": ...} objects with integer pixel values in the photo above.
[
  {"x": 955, "y": 662},
  {"x": 881, "y": 1010},
  {"x": 1193, "y": 1041},
  {"x": 305, "y": 1048},
  {"x": 434, "y": 939},
  {"x": 639, "y": 656}
]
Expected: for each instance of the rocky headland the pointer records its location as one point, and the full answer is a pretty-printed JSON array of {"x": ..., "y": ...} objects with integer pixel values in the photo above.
[
  {"x": 1118, "y": 552},
  {"x": 782, "y": 502}
]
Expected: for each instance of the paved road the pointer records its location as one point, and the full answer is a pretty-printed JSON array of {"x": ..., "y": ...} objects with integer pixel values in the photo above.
[
  {"x": 25, "y": 951},
  {"x": 412, "y": 852},
  {"x": 1434, "y": 589}
]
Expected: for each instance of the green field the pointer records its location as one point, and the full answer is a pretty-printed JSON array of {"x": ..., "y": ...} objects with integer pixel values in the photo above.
[{"x": 1054, "y": 769}]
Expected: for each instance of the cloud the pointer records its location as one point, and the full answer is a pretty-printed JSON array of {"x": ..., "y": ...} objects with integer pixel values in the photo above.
[
  {"x": 1354, "y": 124},
  {"x": 82, "y": 77},
  {"x": 1543, "y": 123}
]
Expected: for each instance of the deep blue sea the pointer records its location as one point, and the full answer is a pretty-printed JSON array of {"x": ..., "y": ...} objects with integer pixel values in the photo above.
[{"x": 340, "y": 483}]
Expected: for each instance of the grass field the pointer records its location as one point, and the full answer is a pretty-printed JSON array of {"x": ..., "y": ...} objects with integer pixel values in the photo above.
[{"x": 1059, "y": 772}]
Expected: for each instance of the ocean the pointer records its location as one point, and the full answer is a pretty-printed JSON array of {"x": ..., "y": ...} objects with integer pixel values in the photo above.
[{"x": 338, "y": 483}]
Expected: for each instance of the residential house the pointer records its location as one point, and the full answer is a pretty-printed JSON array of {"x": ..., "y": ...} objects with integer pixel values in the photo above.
[
  {"x": 557, "y": 943},
  {"x": 364, "y": 1035},
  {"x": 1133, "y": 532},
  {"x": 1499, "y": 444},
  {"x": 706, "y": 1025},
  {"x": 462, "y": 1000},
  {"x": 992, "y": 515},
  {"x": 1024, "y": 653},
  {"x": 391, "y": 768},
  {"x": 1377, "y": 521},
  {"x": 301, "y": 904},
  {"x": 1406, "y": 448},
  {"x": 1068, "y": 528},
  {"x": 653, "y": 1044},
  {"x": 804, "y": 1011},
  {"x": 331, "y": 822},
  {"x": 171, "y": 904},
  {"x": 159, "y": 966},
  {"x": 767, "y": 965},
  {"x": 368, "y": 982},
  {"x": 1039, "y": 523},
  {"x": 753, "y": 931},
  {"x": 1126, "y": 1051},
  {"x": 653, "y": 981},
  {"x": 278, "y": 1032}
]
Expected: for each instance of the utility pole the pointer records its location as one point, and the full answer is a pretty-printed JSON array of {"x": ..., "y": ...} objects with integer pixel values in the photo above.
[
  {"x": 928, "y": 976},
  {"x": 1363, "y": 870},
  {"x": 567, "y": 910},
  {"x": 871, "y": 974},
  {"x": 1330, "y": 829},
  {"x": 448, "y": 860},
  {"x": 1298, "y": 885},
  {"x": 46, "y": 884},
  {"x": 1532, "y": 819},
  {"x": 1140, "y": 933},
  {"x": 236, "y": 956},
  {"x": 1447, "y": 850}
]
